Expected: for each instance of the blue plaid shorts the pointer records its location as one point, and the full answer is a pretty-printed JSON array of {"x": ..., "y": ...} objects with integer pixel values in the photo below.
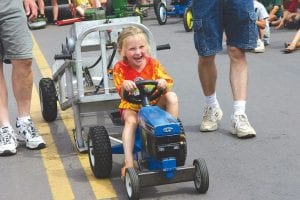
[{"x": 212, "y": 17}]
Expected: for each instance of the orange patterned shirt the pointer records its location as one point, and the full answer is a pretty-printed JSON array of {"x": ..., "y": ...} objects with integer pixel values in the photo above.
[{"x": 152, "y": 71}]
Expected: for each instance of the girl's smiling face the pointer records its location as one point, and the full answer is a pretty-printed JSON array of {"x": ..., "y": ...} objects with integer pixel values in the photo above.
[{"x": 134, "y": 50}]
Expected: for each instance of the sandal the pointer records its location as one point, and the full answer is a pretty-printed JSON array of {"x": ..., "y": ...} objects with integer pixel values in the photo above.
[{"x": 286, "y": 50}]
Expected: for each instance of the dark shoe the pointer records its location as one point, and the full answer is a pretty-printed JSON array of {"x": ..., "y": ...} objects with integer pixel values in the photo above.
[{"x": 288, "y": 50}]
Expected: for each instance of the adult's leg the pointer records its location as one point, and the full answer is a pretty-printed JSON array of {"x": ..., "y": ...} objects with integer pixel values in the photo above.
[
  {"x": 4, "y": 115},
  {"x": 238, "y": 73},
  {"x": 207, "y": 72},
  {"x": 22, "y": 82}
]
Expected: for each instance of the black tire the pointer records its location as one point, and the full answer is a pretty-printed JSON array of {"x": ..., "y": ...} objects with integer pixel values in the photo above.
[
  {"x": 48, "y": 99},
  {"x": 109, "y": 9},
  {"x": 201, "y": 180},
  {"x": 161, "y": 13},
  {"x": 155, "y": 6},
  {"x": 132, "y": 184},
  {"x": 188, "y": 19},
  {"x": 99, "y": 150}
]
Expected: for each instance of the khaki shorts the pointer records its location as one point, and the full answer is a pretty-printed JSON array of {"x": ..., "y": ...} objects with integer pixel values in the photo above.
[{"x": 15, "y": 37}]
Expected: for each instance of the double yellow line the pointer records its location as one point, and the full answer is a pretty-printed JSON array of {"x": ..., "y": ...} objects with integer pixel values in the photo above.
[{"x": 57, "y": 177}]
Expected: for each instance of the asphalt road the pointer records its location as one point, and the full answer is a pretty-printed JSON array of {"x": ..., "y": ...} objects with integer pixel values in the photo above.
[{"x": 263, "y": 168}]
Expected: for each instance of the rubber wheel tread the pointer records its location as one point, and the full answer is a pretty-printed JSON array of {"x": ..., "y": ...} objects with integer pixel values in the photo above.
[
  {"x": 200, "y": 166},
  {"x": 48, "y": 99},
  {"x": 102, "y": 152},
  {"x": 134, "y": 183}
]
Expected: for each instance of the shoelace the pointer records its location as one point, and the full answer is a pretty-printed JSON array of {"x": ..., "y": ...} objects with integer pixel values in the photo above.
[
  {"x": 209, "y": 113},
  {"x": 6, "y": 136},
  {"x": 28, "y": 128},
  {"x": 241, "y": 121}
]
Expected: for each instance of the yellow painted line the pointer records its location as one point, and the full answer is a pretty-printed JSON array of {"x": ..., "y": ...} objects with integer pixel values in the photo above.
[
  {"x": 57, "y": 177},
  {"x": 102, "y": 188}
]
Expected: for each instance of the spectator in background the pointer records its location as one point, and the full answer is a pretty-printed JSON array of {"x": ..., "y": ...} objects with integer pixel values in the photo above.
[
  {"x": 274, "y": 8},
  {"x": 294, "y": 13},
  {"x": 281, "y": 22},
  {"x": 291, "y": 17},
  {"x": 41, "y": 7},
  {"x": 82, "y": 5},
  {"x": 263, "y": 27},
  {"x": 54, "y": 10}
]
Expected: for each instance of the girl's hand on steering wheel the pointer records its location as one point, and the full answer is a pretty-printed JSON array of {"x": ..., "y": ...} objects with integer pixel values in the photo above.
[
  {"x": 162, "y": 84},
  {"x": 129, "y": 86}
]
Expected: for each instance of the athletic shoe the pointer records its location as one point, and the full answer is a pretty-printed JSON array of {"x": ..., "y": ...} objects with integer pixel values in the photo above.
[
  {"x": 8, "y": 141},
  {"x": 211, "y": 117},
  {"x": 260, "y": 47},
  {"x": 241, "y": 126},
  {"x": 27, "y": 133}
]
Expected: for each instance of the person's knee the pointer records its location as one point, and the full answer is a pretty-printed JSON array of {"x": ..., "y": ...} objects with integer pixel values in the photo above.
[
  {"x": 132, "y": 121},
  {"x": 236, "y": 53},
  {"x": 206, "y": 60},
  {"x": 171, "y": 98},
  {"x": 22, "y": 67}
]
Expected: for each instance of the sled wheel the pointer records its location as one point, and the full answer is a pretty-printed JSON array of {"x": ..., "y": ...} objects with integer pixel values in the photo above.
[
  {"x": 132, "y": 184},
  {"x": 201, "y": 180},
  {"x": 161, "y": 13},
  {"x": 109, "y": 9},
  {"x": 188, "y": 19},
  {"x": 99, "y": 150},
  {"x": 48, "y": 99}
]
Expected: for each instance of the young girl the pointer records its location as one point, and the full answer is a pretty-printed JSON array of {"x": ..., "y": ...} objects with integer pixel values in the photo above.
[{"x": 136, "y": 63}]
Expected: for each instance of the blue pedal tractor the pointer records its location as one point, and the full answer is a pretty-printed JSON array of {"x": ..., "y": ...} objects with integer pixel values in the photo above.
[
  {"x": 160, "y": 148},
  {"x": 182, "y": 8}
]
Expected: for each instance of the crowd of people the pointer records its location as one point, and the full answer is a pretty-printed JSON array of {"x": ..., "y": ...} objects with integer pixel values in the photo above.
[{"x": 278, "y": 14}]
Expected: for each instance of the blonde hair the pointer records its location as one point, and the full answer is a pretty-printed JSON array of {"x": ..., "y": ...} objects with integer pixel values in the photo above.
[{"x": 131, "y": 31}]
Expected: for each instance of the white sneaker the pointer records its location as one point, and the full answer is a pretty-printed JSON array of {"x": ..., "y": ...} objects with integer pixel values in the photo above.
[
  {"x": 8, "y": 141},
  {"x": 27, "y": 133},
  {"x": 260, "y": 47},
  {"x": 241, "y": 126},
  {"x": 211, "y": 117}
]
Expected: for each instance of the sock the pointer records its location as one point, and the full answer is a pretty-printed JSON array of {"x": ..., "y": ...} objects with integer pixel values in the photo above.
[
  {"x": 212, "y": 100},
  {"x": 239, "y": 107},
  {"x": 23, "y": 119},
  {"x": 5, "y": 124}
]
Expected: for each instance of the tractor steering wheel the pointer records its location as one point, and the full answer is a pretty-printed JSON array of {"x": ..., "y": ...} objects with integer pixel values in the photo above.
[{"x": 145, "y": 94}]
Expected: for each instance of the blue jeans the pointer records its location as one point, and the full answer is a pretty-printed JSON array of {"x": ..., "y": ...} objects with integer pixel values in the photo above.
[{"x": 212, "y": 17}]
